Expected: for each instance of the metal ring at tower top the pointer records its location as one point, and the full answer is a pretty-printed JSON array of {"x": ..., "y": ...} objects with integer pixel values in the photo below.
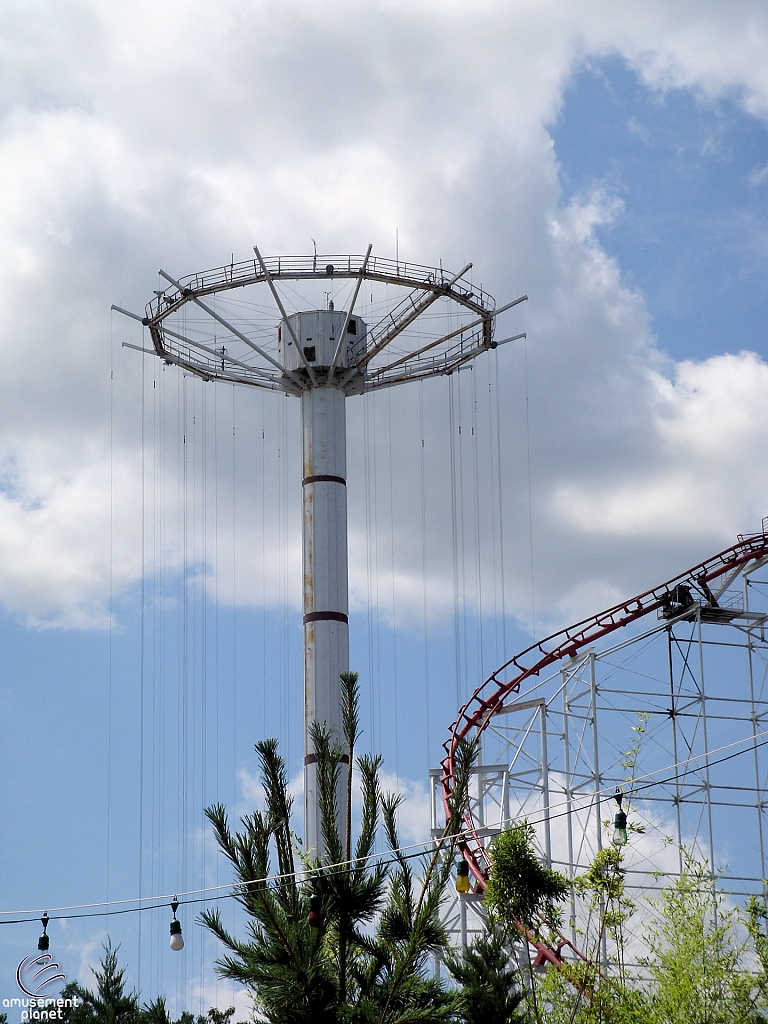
[{"x": 217, "y": 323}]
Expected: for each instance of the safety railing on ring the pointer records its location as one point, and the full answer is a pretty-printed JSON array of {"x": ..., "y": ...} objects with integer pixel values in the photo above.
[{"x": 294, "y": 268}]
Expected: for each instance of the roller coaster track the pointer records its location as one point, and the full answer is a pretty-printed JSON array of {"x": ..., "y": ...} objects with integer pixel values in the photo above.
[{"x": 700, "y": 587}]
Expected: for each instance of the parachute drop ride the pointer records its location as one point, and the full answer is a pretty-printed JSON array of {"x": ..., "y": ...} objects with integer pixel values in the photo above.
[{"x": 232, "y": 324}]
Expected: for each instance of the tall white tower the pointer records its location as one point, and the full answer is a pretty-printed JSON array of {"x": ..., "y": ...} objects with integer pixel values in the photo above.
[{"x": 322, "y": 356}]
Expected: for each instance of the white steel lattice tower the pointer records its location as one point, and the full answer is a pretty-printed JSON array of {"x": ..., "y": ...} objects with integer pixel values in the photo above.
[
  {"x": 322, "y": 355},
  {"x": 662, "y": 698}
]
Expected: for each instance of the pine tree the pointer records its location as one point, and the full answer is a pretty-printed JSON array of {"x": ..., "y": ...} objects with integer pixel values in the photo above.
[
  {"x": 490, "y": 986},
  {"x": 334, "y": 969},
  {"x": 156, "y": 1012},
  {"x": 522, "y": 893},
  {"x": 111, "y": 1003}
]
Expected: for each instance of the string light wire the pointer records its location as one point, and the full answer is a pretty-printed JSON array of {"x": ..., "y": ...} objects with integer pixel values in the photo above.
[{"x": 413, "y": 850}]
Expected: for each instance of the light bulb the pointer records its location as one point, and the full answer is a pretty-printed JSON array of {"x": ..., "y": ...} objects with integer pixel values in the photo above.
[
  {"x": 177, "y": 939},
  {"x": 44, "y": 942},
  {"x": 462, "y": 877},
  {"x": 315, "y": 912},
  {"x": 619, "y": 826}
]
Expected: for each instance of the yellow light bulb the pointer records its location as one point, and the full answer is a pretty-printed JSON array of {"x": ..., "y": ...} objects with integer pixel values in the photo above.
[{"x": 462, "y": 878}]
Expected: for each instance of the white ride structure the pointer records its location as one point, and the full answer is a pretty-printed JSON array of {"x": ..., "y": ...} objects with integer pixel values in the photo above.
[
  {"x": 675, "y": 715},
  {"x": 215, "y": 324}
]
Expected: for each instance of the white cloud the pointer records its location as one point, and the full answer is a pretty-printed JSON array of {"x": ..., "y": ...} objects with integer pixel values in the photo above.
[
  {"x": 253, "y": 791},
  {"x": 55, "y": 537},
  {"x": 174, "y": 134},
  {"x": 414, "y": 819},
  {"x": 703, "y": 473},
  {"x": 206, "y": 990}
]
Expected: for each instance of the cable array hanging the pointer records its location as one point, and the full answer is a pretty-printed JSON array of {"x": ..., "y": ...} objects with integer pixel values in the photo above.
[{"x": 410, "y": 851}]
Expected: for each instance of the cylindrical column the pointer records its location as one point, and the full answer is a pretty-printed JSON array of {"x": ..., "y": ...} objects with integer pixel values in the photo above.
[{"x": 326, "y": 601}]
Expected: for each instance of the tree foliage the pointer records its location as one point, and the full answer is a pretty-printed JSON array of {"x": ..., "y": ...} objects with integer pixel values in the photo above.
[
  {"x": 111, "y": 1003},
  {"x": 379, "y": 918},
  {"x": 699, "y": 957},
  {"x": 706, "y": 960},
  {"x": 490, "y": 987},
  {"x": 156, "y": 1013},
  {"x": 520, "y": 888}
]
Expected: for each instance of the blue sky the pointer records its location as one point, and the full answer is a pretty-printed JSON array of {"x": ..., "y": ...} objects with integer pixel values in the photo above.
[
  {"x": 614, "y": 168},
  {"x": 691, "y": 236}
]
